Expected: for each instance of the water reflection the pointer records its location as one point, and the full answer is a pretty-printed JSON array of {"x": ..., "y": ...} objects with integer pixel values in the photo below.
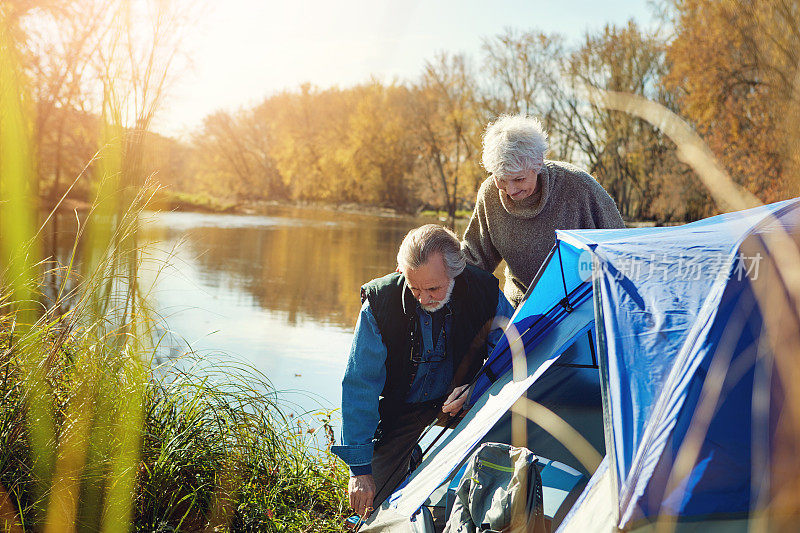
[
  {"x": 280, "y": 291},
  {"x": 306, "y": 266}
]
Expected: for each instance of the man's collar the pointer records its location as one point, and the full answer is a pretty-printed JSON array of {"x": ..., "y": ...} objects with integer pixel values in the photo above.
[
  {"x": 460, "y": 289},
  {"x": 409, "y": 302}
]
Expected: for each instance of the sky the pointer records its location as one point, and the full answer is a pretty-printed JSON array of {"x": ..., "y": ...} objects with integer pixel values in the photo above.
[{"x": 242, "y": 51}]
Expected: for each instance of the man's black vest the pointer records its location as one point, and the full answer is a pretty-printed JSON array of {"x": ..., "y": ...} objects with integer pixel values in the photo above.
[{"x": 473, "y": 303}]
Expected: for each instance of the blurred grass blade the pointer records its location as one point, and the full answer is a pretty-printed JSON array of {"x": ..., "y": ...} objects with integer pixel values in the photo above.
[
  {"x": 19, "y": 251},
  {"x": 560, "y": 429}
]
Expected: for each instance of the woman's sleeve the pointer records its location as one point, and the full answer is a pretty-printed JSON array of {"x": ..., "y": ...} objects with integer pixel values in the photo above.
[{"x": 477, "y": 243}]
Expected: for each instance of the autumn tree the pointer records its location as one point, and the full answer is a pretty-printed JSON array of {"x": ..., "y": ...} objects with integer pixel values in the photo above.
[
  {"x": 350, "y": 145},
  {"x": 525, "y": 75},
  {"x": 448, "y": 125},
  {"x": 63, "y": 50},
  {"x": 631, "y": 158},
  {"x": 59, "y": 42},
  {"x": 734, "y": 70},
  {"x": 235, "y": 154},
  {"x": 379, "y": 152},
  {"x": 309, "y": 129},
  {"x": 79, "y": 55}
]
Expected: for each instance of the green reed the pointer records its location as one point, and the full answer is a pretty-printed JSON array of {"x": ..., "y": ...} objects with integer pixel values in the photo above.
[
  {"x": 214, "y": 449},
  {"x": 93, "y": 435}
]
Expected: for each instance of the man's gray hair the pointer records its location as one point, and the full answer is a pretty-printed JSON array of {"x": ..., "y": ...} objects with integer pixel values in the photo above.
[
  {"x": 513, "y": 144},
  {"x": 420, "y": 244}
]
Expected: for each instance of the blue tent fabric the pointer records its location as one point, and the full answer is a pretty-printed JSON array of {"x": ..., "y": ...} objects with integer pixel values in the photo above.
[
  {"x": 720, "y": 483},
  {"x": 529, "y": 329},
  {"x": 562, "y": 284},
  {"x": 669, "y": 300},
  {"x": 571, "y": 390}
]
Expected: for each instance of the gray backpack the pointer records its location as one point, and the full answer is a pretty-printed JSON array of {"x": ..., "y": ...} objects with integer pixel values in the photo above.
[{"x": 501, "y": 490}]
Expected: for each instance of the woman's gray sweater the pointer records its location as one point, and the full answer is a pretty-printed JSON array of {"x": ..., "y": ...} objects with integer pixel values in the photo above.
[{"x": 522, "y": 233}]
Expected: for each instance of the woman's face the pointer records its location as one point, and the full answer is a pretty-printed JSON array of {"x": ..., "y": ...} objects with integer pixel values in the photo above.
[{"x": 519, "y": 186}]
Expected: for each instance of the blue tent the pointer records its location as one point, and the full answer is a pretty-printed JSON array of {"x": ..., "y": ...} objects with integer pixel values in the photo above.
[{"x": 652, "y": 343}]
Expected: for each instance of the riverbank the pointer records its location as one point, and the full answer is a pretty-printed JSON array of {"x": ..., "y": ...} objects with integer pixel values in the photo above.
[
  {"x": 214, "y": 450},
  {"x": 202, "y": 203},
  {"x": 207, "y": 204},
  {"x": 96, "y": 433},
  {"x": 171, "y": 201}
]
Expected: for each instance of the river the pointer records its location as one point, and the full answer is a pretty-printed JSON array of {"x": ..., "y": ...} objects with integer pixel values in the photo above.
[{"x": 279, "y": 291}]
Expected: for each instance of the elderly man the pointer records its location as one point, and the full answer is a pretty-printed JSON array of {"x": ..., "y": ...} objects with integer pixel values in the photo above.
[
  {"x": 422, "y": 335},
  {"x": 525, "y": 200}
]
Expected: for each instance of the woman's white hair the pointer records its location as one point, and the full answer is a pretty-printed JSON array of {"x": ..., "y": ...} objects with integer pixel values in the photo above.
[
  {"x": 513, "y": 144},
  {"x": 421, "y": 243}
]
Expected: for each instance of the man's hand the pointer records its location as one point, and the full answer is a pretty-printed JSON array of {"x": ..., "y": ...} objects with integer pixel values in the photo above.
[
  {"x": 456, "y": 400},
  {"x": 361, "y": 490}
]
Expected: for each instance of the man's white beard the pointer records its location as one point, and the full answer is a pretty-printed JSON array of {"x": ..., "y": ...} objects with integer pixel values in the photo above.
[{"x": 438, "y": 305}]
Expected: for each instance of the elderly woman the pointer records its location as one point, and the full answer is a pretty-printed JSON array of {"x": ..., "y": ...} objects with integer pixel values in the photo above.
[{"x": 525, "y": 200}]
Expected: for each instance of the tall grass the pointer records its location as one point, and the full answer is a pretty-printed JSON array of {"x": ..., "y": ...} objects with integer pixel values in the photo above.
[
  {"x": 214, "y": 449},
  {"x": 92, "y": 436}
]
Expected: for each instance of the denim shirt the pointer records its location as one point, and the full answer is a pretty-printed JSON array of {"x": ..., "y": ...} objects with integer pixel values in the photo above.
[{"x": 365, "y": 376}]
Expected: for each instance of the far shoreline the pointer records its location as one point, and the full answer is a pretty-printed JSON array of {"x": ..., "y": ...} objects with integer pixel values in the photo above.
[
  {"x": 192, "y": 203},
  {"x": 201, "y": 203}
]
